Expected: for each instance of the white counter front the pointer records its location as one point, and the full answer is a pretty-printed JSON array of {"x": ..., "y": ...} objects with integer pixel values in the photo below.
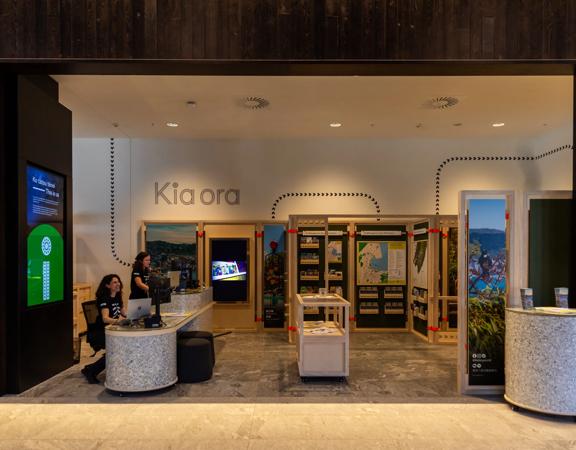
[
  {"x": 144, "y": 359},
  {"x": 541, "y": 360}
]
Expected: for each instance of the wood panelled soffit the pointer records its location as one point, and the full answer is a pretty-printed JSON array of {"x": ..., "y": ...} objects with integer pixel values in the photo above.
[{"x": 289, "y": 29}]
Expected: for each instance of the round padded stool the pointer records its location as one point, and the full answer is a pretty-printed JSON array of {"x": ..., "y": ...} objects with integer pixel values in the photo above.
[
  {"x": 200, "y": 335},
  {"x": 194, "y": 360}
]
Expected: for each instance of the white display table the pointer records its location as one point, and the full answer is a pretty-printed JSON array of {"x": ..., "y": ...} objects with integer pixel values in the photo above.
[
  {"x": 541, "y": 360},
  {"x": 144, "y": 359},
  {"x": 323, "y": 346}
]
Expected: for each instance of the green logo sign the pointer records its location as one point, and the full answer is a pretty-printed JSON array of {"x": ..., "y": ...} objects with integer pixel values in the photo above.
[{"x": 45, "y": 265}]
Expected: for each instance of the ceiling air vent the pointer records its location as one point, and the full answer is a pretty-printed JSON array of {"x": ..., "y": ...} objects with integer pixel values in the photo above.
[
  {"x": 441, "y": 103},
  {"x": 254, "y": 103}
]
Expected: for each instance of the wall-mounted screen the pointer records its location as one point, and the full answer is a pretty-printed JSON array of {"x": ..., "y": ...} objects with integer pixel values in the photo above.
[
  {"x": 229, "y": 269},
  {"x": 45, "y": 199},
  {"x": 45, "y": 242}
]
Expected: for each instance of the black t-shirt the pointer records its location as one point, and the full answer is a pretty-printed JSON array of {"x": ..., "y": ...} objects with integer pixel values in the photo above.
[
  {"x": 112, "y": 304},
  {"x": 114, "y": 309},
  {"x": 135, "y": 291}
]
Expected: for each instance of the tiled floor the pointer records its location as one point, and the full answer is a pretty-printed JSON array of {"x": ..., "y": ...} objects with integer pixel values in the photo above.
[
  {"x": 401, "y": 394},
  {"x": 383, "y": 367}
]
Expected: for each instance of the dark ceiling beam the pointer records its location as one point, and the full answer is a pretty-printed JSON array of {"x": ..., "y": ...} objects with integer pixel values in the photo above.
[
  {"x": 288, "y": 68},
  {"x": 289, "y": 29}
]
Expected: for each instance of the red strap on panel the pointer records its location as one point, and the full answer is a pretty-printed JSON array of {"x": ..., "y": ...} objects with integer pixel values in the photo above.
[
  {"x": 433, "y": 230},
  {"x": 259, "y": 234},
  {"x": 352, "y": 319},
  {"x": 410, "y": 234},
  {"x": 433, "y": 328},
  {"x": 259, "y": 319},
  {"x": 292, "y": 328},
  {"x": 444, "y": 319},
  {"x": 444, "y": 236},
  {"x": 200, "y": 234},
  {"x": 507, "y": 215},
  {"x": 352, "y": 233},
  {"x": 292, "y": 230}
]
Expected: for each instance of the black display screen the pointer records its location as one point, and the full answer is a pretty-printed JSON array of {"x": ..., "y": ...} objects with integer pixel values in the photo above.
[
  {"x": 229, "y": 255},
  {"x": 45, "y": 196},
  {"x": 45, "y": 238}
]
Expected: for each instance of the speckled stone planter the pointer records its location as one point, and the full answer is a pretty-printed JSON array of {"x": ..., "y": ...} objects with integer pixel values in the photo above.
[{"x": 541, "y": 361}]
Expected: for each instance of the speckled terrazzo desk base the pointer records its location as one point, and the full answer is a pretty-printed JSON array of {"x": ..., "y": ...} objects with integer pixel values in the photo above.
[
  {"x": 145, "y": 360},
  {"x": 541, "y": 361},
  {"x": 140, "y": 363},
  {"x": 541, "y": 411}
]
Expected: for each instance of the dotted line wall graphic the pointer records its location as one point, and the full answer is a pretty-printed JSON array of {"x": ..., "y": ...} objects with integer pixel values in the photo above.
[
  {"x": 489, "y": 158},
  {"x": 113, "y": 208},
  {"x": 324, "y": 194}
]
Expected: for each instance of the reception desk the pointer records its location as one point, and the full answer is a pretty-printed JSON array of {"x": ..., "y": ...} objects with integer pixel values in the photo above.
[
  {"x": 144, "y": 359},
  {"x": 541, "y": 360}
]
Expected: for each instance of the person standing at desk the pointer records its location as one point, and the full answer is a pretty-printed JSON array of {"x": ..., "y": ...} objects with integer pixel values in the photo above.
[
  {"x": 111, "y": 311},
  {"x": 140, "y": 274}
]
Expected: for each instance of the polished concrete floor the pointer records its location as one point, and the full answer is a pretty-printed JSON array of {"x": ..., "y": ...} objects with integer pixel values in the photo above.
[
  {"x": 401, "y": 394},
  {"x": 383, "y": 367}
]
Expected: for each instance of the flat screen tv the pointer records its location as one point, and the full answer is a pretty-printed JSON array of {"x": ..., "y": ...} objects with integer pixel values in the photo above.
[{"x": 229, "y": 269}]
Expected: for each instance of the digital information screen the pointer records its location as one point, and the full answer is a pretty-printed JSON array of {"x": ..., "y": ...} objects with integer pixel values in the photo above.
[
  {"x": 45, "y": 254},
  {"x": 229, "y": 269}
]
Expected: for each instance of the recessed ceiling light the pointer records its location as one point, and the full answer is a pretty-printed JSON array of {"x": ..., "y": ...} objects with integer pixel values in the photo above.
[
  {"x": 499, "y": 124},
  {"x": 335, "y": 125},
  {"x": 171, "y": 124},
  {"x": 457, "y": 124}
]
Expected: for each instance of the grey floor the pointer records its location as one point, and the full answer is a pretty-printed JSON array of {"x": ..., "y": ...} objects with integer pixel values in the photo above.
[
  {"x": 401, "y": 394},
  {"x": 383, "y": 367}
]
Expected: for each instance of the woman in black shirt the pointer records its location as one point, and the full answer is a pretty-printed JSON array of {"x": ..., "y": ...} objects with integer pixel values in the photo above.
[
  {"x": 111, "y": 311},
  {"x": 140, "y": 274}
]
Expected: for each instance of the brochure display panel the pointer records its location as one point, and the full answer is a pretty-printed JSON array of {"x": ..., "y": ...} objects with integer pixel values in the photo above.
[
  {"x": 314, "y": 254},
  {"x": 381, "y": 267},
  {"x": 419, "y": 277},
  {"x": 45, "y": 242},
  {"x": 487, "y": 273}
]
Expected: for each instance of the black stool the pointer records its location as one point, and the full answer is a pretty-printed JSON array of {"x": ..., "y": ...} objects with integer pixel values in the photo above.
[
  {"x": 200, "y": 335},
  {"x": 194, "y": 360}
]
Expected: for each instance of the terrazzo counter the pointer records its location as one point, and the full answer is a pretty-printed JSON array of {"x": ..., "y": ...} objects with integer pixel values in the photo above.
[
  {"x": 541, "y": 360},
  {"x": 144, "y": 359}
]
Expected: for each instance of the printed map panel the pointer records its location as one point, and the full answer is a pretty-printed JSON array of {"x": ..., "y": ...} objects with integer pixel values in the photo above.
[{"x": 381, "y": 263}]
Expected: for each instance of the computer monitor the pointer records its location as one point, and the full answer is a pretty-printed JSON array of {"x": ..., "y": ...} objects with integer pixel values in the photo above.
[{"x": 174, "y": 276}]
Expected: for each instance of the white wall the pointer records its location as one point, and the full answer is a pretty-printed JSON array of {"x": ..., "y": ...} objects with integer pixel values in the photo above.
[{"x": 400, "y": 174}]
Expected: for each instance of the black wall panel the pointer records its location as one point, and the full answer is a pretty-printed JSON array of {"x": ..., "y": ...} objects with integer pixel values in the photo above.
[
  {"x": 549, "y": 241},
  {"x": 39, "y": 340}
]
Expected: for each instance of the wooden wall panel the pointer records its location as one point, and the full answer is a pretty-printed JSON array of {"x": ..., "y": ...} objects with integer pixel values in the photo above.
[{"x": 289, "y": 29}]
